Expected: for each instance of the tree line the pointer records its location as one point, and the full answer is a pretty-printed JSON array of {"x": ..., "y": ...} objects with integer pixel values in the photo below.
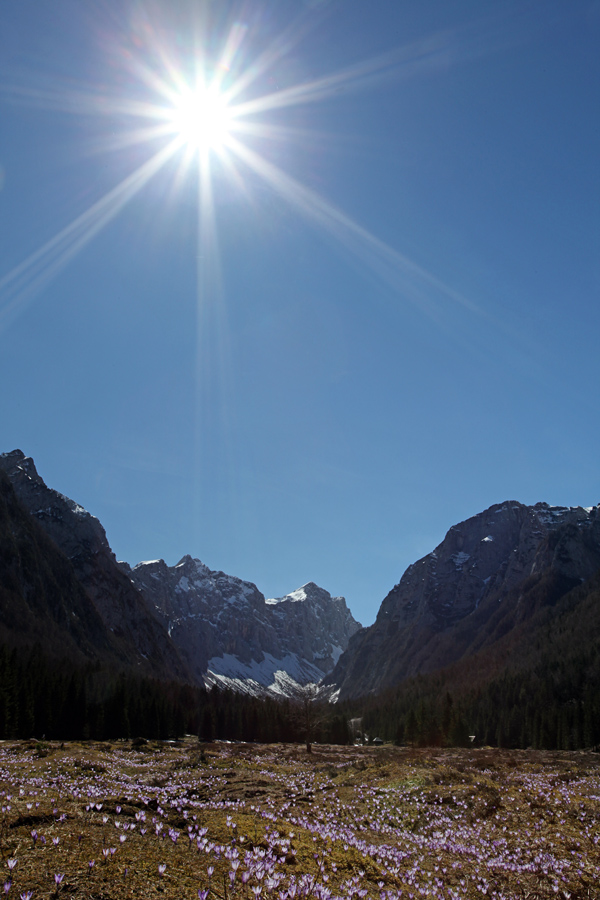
[
  {"x": 43, "y": 698},
  {"x": 554, "y": 705}
]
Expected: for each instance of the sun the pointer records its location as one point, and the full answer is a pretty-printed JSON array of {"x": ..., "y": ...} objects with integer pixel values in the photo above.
[
  {"x": 209, "y": 113},
  {"x": 201, "y": 118}
]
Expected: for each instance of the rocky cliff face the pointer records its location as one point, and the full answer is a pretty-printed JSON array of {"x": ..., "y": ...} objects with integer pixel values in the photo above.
[
  {"x": 317, "y": 625},
  {"x": 41, "y": 599},
  {"x": 229, "y": 634},
  {"x": 447, "y": 604},
  {"x": 82, "y": 539}
]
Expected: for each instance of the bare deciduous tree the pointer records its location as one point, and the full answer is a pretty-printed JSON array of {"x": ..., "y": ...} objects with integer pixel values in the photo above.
[{"x": 307, "y": 714}]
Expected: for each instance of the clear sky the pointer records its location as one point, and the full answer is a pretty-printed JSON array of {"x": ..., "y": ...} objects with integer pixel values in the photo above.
[{"x": 293, "y": 287}]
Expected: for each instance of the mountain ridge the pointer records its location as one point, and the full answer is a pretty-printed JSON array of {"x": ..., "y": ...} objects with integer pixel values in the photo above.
[
  {"x": 486, "y": 580},
  {"x": 229, "y": 634},
  {"x": 448, "y": 604}
]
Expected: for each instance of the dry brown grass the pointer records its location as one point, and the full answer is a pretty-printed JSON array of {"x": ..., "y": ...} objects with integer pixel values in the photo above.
[{"x": 371, "y": 822}]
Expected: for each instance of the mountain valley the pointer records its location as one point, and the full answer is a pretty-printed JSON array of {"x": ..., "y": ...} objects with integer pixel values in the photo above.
[{"x": 501, "y": 620}]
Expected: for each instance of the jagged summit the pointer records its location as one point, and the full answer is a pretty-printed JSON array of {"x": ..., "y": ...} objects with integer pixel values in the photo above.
[
  {"x": 310, "y": 592},
  {"x": 16, "y": 458},
  {"x": 229, "y": 634},
  {"x": 21, "y": 468},
  {"x": 188, "y": 560}
]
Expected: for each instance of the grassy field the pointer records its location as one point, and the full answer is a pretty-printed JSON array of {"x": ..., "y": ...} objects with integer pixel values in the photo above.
[{"x": 90, "y": 820}]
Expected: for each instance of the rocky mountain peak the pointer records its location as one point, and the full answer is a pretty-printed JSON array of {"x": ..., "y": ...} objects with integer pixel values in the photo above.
[
  {"x": 15, "y": 461},
  {"x": 188, "y": 561},
  {"x": 73, "y": 528},
  {"x": 444, "y": 601},
  {"x": 229, "y": 634},
  {"x": 309, "y": 592}
]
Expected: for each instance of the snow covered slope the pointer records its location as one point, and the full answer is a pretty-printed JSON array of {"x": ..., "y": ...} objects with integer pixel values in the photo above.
[{"x": 229, "y": 634}]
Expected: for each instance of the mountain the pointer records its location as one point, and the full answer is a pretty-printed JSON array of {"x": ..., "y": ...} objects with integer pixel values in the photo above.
[
  {"x": 41, "y": 599},
  {"x": 61, "y": 585},
  {"x": 81, "y": 539},
  {"x": 489, "y": 575},
  {"x": 229, "y": 634}
]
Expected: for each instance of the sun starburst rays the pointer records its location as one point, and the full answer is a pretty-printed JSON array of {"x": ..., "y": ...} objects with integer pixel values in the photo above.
[
  {"x": 204, "y": 114},
  {"x": 21, "y": 284}
]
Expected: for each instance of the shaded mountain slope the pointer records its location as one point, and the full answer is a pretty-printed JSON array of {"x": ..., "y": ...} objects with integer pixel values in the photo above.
[
  {"x": 41, "y": 599},
  {"x": 489, "y": 575},
  {"x": 82, "y": 540},
  {"x": 538, "y": 685}
]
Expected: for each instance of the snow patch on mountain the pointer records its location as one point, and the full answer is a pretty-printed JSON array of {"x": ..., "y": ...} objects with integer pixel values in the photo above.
[
  {"x": 278, "y": 676},
  {"x": 460, "y": 558},
  {"x": 230, "y": 635},
  {"x": 299, "y": 596}
]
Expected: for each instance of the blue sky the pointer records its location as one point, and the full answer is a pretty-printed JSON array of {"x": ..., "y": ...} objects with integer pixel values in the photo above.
[{"x": 389, "y": 320}]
